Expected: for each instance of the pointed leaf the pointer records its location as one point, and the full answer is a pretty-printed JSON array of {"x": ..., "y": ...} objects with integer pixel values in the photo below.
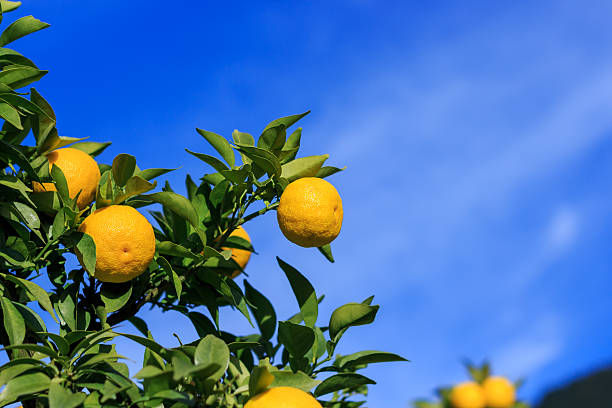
[
  {"x": 221, "y": 145},
  {"x": 304, "y": 293},
  {"x": 20, "y": 28}
]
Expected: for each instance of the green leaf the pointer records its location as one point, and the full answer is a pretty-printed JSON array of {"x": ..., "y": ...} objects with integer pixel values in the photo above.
[
  {"x": 12, "y": 155},
  {"x": 149, "y": 174},
  {"x": 327, "y": 171},
  {"x": 298, "y": 380},
  {"x": 262, "y": 309},
  {"x": 327, "y": 252},
  {"x": 91, "y": 148},
  {"x": 9, "y": 5},
  {"x": 134, "y": 186},
  {"x": 260, "y": 380},
  {"x": 123, "y": 168},
  {"x": 27, "y": 384},
  {"x": 366, "y": 357},
  {"x": 54, "y": 141},
  {"x": 172, "y": 276},
  {"x": 115, "y": 295},
  {"x": 351, "y": 314},
  {"x": 20, "y": 28},
  {"x": 47, "y": 351},
  {"x": 35, "y": 292},
  {"x": 304, "y": 293},
  {"x": 210, "y": 160},
  {"x": 182, "y": 207},
  {"x": 303, "y": 167},
  {"x": 220, "y": 144},
  {"x": 32, "y": 320},
  {"x": 262, "y": 158},
  {"x": 148, "y": 343},
  {"x": 212, "y": 352},
  {"x": 202, "y": 324},
  {"x": 291, "y": 146},
  {"x": 18, "y": 76},
  {"x": 172, "y": 249},
  {"x": 62, "y": 345},
  {"x": 60, "y": 397},
  {"x": 13, "y": 321},
  {"x": 296, "y": 339},
  {"x": 245, "y": 139},
  {"x": 10, "y": 114},
  {"x": 341, "y": 381},
  {"x": 61, "y": 185},
  {"x": 273, "y": 139},
  {"x": 87, "y": 250},
  {"x": 286, "y": 121}
]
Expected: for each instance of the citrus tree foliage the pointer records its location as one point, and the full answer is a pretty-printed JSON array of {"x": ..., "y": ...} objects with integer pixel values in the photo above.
[{"x": 77, "y": 365}]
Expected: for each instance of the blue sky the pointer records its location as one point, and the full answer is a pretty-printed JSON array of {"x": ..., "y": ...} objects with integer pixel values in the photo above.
[{"x": 477, "y": 140}]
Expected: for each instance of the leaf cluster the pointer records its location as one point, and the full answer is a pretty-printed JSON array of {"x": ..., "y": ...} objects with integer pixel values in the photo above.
[{"x": 73, "y": 362}]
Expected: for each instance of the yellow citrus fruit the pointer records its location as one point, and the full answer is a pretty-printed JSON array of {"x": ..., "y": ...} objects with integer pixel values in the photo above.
[
  {"x": 125, "y": 242},
  {"x": 499, "y": 392},
  {"x": 468, "y": 395},
  {"x": 310, "y": 212},
  {"x": 283, "y": 397},
  {"x": 241, "y": 256},
  {"x": 81, "y": 172}
]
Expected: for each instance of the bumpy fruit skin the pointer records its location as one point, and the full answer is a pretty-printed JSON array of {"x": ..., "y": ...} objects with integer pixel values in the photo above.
[
  {"x": 81, "y": 172},
  {"x": 467, "y": 395},
  {"x": 310, "y": 212},
  {"x": 283, "y": 397},
  {"x": 499, "y": 392},
  {"x": 241, "y": 256},
  {"x": 125, "y": 242}
]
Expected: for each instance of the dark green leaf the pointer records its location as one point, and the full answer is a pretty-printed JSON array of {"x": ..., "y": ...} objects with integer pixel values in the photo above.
[
  {"x": 13, "y": 321},
  {"x": 366, "y": 357},
  {"x": 170, "y": 248},
  {"x": 115, "y": 295},
  {"x": 341, "y": 381},
  {"x": 262, "y": 158},
  {"x": 304, "y": 293},
  {"x": 296, "y": 339},
  {"x": 10, "y": 114},
  {"x": 124, "y": 166},
  {"x": 172, "y": 276},
  {"x": 262, "y": 309},
  {"x": 327, "y": 252}
]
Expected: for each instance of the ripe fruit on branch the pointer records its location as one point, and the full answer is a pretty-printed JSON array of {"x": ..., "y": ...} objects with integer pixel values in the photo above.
[
  {"x": 125, "y": 242},
  {"x": 283, "y": 397},
  {"x": 241, "y": 256},
  {"x": 81, "y": 172},
  {"x": 499, "y": 392},
  {"x": 467, "y": 394},
  {"x": 310, "y": 212}
]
